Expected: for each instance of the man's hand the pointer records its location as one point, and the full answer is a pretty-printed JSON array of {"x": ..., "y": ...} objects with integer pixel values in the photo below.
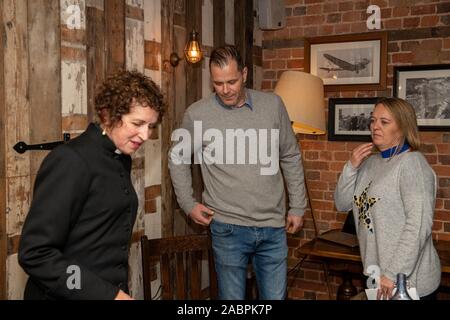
[
  {"x": 123, "y": 296},
  {"x": 386, "y": 288},
  {"x": 294, "y": 223},
  {"x": 201, "y": 215}
]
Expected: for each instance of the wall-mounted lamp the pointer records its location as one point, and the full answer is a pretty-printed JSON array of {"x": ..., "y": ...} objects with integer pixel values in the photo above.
[{"x": 192, "y": 51}]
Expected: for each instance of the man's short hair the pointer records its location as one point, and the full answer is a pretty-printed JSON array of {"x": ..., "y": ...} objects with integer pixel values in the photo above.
[{"x": 222, "y": 56}]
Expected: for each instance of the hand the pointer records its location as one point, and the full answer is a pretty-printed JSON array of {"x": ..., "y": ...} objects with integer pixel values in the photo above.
[
  {"x": 360, "y": 153},
  {"x": 386, "y": 288},
  {"x": 201, "y": 215},
  {"x": 293, "y": 223},
  {"x": 123, "y": 296}
]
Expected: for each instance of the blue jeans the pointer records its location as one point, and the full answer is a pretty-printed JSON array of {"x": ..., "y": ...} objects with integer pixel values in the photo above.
[{"x": 234, "y": 246}]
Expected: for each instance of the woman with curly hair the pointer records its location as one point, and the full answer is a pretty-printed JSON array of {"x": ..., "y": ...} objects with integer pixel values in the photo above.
[{"x": 76, "y": 237}]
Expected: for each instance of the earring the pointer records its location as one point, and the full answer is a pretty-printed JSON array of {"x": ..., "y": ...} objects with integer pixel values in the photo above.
[{"x": 104, "y": 132}]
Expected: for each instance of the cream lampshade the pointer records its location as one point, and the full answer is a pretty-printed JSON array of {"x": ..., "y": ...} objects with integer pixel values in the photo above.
[{"x": 302, "y": 94}]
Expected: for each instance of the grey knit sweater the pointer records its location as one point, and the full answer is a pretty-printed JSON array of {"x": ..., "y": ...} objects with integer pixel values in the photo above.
[
  {"x": 393, "y": 203},
  {"x": 244, "y": 187}
]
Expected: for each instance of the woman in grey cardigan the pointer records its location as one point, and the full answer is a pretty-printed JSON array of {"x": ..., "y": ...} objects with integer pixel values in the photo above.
[{"x": 392, "y": 194}]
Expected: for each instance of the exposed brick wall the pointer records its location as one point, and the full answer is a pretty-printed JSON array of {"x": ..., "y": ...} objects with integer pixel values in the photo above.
[{"x": 419, "y": 33}]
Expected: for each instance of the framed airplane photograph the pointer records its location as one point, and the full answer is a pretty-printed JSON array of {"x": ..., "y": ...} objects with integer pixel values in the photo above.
[{"x": 348, "y": 62}]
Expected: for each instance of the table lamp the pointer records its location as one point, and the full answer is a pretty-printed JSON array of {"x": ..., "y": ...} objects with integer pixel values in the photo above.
[{"x": 303, "y": 96}]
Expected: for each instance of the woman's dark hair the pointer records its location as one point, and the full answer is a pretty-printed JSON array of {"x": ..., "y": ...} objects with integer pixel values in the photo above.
[{"x": 115, "y": 96}]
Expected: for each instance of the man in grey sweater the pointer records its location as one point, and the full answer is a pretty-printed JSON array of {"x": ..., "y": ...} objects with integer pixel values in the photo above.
[{"x": 241, "y": 138}]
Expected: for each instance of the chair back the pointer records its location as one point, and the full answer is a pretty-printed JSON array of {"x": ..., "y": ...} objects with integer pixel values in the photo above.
[{"x": 181, "y": 269}]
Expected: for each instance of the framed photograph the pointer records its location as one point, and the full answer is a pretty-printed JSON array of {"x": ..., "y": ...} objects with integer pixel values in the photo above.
[
  {"x": 348, "y": 62},
  {"x": 427, "y": 89},
  {"x": 349, "y": 118}
]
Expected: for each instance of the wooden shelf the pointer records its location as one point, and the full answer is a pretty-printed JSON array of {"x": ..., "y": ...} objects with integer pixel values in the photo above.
[{"x": 325, "y": 249}]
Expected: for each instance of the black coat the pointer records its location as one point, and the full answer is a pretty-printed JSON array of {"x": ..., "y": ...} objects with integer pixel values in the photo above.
[{"x": 82, "y": 215}]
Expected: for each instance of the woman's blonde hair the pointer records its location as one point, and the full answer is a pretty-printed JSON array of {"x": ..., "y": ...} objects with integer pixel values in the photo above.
[{"x": 405, "y": 116}]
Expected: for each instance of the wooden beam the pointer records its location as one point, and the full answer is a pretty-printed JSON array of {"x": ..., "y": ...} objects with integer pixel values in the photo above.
[
  {"x": 194, "y": 93},
  {"x": 96, "y": 59},
  {"x": 168, "y": 88},
  {"x": 243, "y": 34},
  {"x": 179, "y": 106},
  {"x": 219, "y": 23},
  {"x": 193, "y": 71},
  {"x": 115, "y": 35},
  {"x": 44, "y": 91},
  {"x": 3, "y": 236},
  {"x": 15, "y": 124},
  {"x": 134, "y": 13}
]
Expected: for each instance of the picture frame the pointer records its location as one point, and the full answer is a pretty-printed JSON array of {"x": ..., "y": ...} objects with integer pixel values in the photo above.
[
  {"x": 427, "y": 89},
  {"x": 348, "y": 62},
  {"x": 349, "y": 118}
]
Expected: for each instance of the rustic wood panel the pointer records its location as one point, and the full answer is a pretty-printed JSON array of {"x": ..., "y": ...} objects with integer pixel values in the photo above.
[
  {"x": 44, "y": 75},
  {"x": 3, "y": 236},
  {"x": 134, "y": 13},
  {"x": 244, "y": 25},
  {"x": 115, "y": 35},
  {"x": 193, "y": 71},
  {"x": 99, "y": 4},
  {"x": 134, "y": 35},
  {"x": 73, "y": 35},
  {"x": 194, "y": 93},
  {"x": 17, "y": 116},
  {"x": 229, "y": 22},
  {"x": 179, "y": 19},
  {"x": 73, "y": 54},
  {"x": 136, "y": 236},
  {"x": 219, "y": 25},
  {"x": 207, "y": 23},
  {"x": 167, "y": 85},
  {"x": 96, "y": 55},
  {"x": 152, "y": 52},
  {"x": 13, "y": 244},
  {"x": 18, "y": 198},
  {"x": 138, "y": 177},
  {"x": 180, "y": 36},
  {"x": 2, "y": 107}
]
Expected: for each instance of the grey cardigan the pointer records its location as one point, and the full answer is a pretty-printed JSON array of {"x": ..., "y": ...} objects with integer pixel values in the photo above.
[{"x": 393, "y": 202}]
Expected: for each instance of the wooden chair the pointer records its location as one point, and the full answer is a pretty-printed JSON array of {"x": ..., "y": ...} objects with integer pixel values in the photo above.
[{"x": 180, "y": 266}]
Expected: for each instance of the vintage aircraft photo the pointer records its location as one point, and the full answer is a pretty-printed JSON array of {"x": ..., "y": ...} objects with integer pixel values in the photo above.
[{"x": 343, "y": 65}]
